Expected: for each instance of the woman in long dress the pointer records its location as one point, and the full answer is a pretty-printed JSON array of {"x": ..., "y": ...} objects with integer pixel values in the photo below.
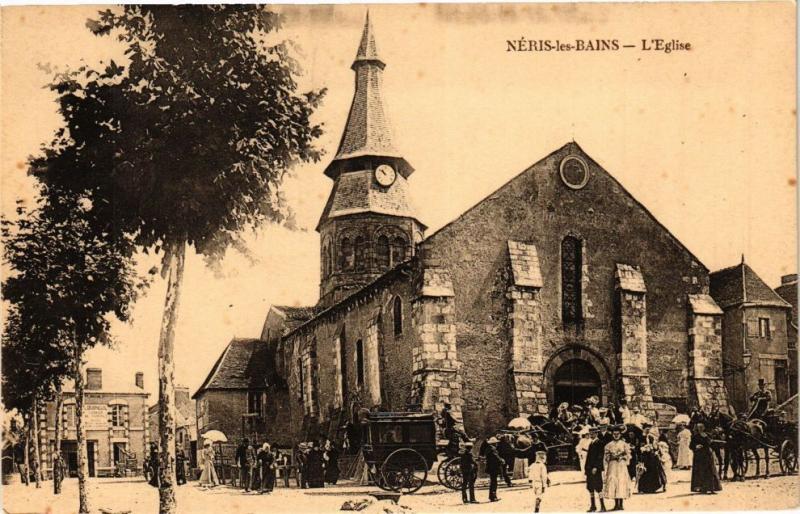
[
  {"x": 705, "y": 477},
  {"x": 617, "y": 454},
  {"x": 209, "y": 475},
  {"x": 666, "y": 456},
  {"x": 684, "y": 449},
  {"x": 653, "y": 477}
]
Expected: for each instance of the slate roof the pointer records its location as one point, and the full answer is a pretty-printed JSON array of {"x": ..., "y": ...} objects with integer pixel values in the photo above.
[
  {"x": 367, "y": 131},
  {"x": 788, "y": 291},
  {"x": 294, "y": 316},
  {"x": 357, "y": 192},
  {"x": 739, "y": 285},
  {"x": 245, "y": 364},
  {"x": 525, "y": 264}
]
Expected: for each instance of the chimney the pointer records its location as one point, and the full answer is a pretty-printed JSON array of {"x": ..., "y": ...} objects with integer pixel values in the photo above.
[
  {"x": 140, "y": 380},
  {"x": 94, "y": 379},
  {"x": 788, "y": 279}
]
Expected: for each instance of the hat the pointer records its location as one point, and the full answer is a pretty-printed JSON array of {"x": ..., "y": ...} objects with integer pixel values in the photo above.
[
  {"x": 447, "y": 405},
  {"x": 761, "y": 381},
  {"x": 577, "y": 408},
  {"x": 647, "y": 424},
  {"x": 594, "y": 430},
  {"x": 602, "y": 409},
  {"x": 492, "y": 440},
  {"x": 563, "y": 405},
  {"x": 635, "y": 409},
  {"x": 618, "y": 428}
]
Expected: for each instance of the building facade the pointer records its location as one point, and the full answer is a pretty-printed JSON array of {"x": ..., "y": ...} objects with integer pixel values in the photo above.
[
  {"x": 115, "y": 417},
  {"x": 755, "y": 328},
  {"x": 185, "y": 424},
  {"x": 556, "y": 287},
  {"x": 788, "y": 291}
]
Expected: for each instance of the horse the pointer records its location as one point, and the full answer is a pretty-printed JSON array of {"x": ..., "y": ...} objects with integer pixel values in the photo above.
[{"x": 742, "y": 436}]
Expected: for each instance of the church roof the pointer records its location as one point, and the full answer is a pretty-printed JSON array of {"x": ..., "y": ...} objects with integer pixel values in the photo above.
[
  {"x": 367, "y": 132},
  {"x": 739, "y": 285},
  {"x": 245, "y": 364},
  {"x": 357, "y": 192},
  {"x": 294, "y": 316}
]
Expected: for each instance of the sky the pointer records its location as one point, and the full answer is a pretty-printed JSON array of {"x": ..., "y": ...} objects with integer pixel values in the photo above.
[{"x": 705, "y": 138}]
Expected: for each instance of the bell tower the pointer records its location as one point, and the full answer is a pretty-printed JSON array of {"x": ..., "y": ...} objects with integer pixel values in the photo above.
[{"x": 368, "y": 225}]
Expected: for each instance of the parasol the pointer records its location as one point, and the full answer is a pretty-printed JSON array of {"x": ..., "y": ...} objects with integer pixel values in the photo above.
[
  {"x": 681, "y": 419},
  {"x": 520, "y": 423},
  {"x": 216, "y": 436}
]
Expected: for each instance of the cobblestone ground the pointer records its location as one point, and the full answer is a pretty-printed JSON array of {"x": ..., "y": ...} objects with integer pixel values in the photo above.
[{"x": 566, "y": 494}]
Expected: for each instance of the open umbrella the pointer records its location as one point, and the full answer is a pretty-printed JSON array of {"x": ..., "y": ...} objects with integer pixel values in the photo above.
[
  {"x": 216, "y": 436},
  {"x": 520, "y": 423},
  {"x": 681, "y": 419}
]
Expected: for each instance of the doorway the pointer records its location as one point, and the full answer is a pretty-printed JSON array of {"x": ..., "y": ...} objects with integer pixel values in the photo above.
[
  {"x": 574, "y": 381},
  {"x": 69, "y": 451},
  {"x": 90, "y": 456}
]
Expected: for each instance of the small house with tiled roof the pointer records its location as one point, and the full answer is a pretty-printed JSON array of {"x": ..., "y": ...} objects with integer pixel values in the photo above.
[
  {"x": 241, "y": 392},
  {"x": 755, "y": 334}
]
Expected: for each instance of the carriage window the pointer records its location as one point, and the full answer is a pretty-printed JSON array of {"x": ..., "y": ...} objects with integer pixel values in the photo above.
[
  {"x": 391, "y": 434},
  {"x": 571, "y": 262},
  {"x": 420, "y": 433}
]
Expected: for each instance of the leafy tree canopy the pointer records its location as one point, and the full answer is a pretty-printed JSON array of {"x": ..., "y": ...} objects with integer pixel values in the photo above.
[{"x": 192, "y": 139}]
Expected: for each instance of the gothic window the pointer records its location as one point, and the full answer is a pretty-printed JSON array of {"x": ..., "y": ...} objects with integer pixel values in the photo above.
[
  {"x": 398, "y": 250},
  {"x": 360, "y": 362},
  {"x": 329, "y": 258},
  {"x": 301, "y": 379},
  {"x": 347, "y": 254},
  {"x": 255, "y": 402},
  {"x": 571, "y": 263},
  {"x": 325, "y": 264},
  {"x": 382, "y": 252},
  {"x": 397, "y": 312},
  {"x": 361, "y": 253}
]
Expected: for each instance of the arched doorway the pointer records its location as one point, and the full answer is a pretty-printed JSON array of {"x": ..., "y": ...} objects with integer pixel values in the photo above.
[{"x": 574, "y": 381}]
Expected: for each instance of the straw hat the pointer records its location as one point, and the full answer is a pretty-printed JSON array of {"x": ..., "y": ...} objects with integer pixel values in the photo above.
[{"x": 492, "y": 440}]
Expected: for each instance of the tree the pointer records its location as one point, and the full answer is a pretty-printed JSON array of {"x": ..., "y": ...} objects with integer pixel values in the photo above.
[
  {"x": 68, "y": 273},
  {"x": 200, "y": 129}
]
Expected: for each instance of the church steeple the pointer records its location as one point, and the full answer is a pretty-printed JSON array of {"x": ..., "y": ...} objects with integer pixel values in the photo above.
[
  {"x": 368, "y": 225},
  {"x": 368, "y": 133}
]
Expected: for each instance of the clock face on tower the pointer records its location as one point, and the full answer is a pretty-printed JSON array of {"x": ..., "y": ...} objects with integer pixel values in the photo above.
[{"x": 385, "y": 175}]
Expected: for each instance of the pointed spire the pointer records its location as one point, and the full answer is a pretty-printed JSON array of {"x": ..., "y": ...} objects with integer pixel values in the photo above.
[
  {"x": 367, "y": 49},
  {"x": 367, "y": 133}
]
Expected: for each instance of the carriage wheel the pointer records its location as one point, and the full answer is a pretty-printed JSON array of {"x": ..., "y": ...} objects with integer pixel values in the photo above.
[
  {"x": 788, "y": 457},
  {"x": 404, "y": 471},
  {"x": 449, "y": 474}
]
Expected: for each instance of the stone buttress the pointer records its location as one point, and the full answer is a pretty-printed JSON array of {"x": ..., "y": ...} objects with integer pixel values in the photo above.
[
  {"x": 436, "y": 368},
  {"x": 706, "y": 385},
  {"x": 633, "y": 377},
  {"x": 525, "y": 331}
]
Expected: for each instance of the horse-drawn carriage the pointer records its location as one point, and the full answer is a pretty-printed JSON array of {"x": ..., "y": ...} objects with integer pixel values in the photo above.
[
  {"x": 557, "y": 439},
  {"x": 400, "y": 449},
  {"x": 773, "y": 434}
]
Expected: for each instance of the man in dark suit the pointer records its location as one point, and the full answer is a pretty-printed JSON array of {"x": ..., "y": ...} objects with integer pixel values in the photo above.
[
  {"x": 495, "y": 466},
  {"x": 594, "y": 470},
  {"x": 469, "y": 473}
]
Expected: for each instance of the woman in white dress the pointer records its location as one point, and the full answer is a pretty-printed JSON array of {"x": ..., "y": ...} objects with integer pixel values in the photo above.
[
  {"x": 684, "y": 452},
  {"x": 582, "y": 448},
  {"x": 209, "y": 475},
  {"x": 616, "y": 456},
  {"x": 666, "y": 457}
]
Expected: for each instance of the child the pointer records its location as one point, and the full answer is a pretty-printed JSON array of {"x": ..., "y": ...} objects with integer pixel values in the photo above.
[{"x": 537, "y": 476}]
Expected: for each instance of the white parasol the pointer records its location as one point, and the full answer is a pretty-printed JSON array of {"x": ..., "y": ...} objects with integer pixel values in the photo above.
[
  {"x": 216, "y": 436},
  {"x": 681, "y": 419},
  {"x": 519, "y": 423}
]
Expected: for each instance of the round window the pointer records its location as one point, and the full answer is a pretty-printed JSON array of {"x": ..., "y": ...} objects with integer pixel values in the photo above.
[{"x": 574, "y": 172}]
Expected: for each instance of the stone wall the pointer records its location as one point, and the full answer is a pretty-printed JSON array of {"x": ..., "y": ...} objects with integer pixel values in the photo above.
[
  {"x": 538, "y": 208},
  {"x": 706, "y": 385}
]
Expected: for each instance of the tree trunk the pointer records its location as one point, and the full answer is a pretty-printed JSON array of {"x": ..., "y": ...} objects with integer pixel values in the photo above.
[
  {"x": 37, "y": 454},
  {"x": 56, "y": 460},
  {"x": 83, "y": 471},
  {"x": 26, "y": 475},
  {"x": 166, "y": 380}
]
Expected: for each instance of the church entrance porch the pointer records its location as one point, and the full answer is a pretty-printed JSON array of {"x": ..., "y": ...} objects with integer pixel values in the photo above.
[
  {"x": 574, "y": 373},
  {"x": 574, "y": 381}
]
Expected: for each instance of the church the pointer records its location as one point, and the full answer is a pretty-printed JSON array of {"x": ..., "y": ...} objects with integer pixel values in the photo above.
[{"x": 558, "y": 286}]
